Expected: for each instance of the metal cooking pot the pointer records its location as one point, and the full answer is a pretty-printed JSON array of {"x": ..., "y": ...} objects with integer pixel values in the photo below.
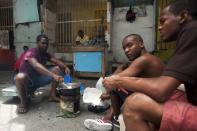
[{"x": 69, "y": 89}]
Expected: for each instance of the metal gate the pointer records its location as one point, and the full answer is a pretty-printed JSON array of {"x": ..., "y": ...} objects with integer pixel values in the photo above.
[
  {"x": 73, "y": 15},
  {"x": 6, "y": 25},
  {"x": 6, "y": 18}
]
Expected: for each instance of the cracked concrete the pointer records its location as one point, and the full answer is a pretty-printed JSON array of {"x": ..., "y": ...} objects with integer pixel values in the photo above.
[{"x": 42, "y": 115}]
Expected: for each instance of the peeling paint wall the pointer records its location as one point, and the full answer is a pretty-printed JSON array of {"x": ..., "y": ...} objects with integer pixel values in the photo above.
[
  {"x": 26, "y": 35},
  {"x": 25, "y": 11},
  {"x": 30, "y": 20},
  {"x": 27, "y": 24}
]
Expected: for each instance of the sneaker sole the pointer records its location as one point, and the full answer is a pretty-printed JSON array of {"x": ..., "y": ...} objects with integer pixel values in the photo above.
[
  {"x": 95, "y": 125},
  {"x": 116, "y": 125}
]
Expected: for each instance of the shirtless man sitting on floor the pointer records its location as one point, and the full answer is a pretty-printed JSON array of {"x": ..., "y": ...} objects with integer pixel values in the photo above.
[{"x": 143, "y": 64}]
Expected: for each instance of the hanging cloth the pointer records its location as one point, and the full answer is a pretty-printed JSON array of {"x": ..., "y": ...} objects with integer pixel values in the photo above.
[{"x": 130, "y": 15}]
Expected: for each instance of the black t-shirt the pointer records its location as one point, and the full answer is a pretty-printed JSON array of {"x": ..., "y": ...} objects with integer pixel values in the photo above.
[{"x": 183, "y": 64}]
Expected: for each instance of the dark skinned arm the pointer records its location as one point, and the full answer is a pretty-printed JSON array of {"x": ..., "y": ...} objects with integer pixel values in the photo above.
[
  {"x": 133, "y": 69},
  {"x": 60, "y": 64},
  {"x": 159, "y": 88},
  {"x": 41, "y": 69}
]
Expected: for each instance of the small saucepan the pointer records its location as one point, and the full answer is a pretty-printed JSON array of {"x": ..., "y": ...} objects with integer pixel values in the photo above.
[{"x": 69, "y": 89}]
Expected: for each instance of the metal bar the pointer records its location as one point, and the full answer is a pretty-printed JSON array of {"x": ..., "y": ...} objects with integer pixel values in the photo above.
[
  {"x": 6, "y": 7},
  {"x": 6, "y": 17},
  {"x": 12, "y": 16},
  {"x": 73, "y": 21},
  {"x": 70, "y": 25},
  {"x": 0, "y": 19},
  {"x": 70, "y": 28},
  {"x": 60, "y": 29},
  {"x": 63, "y": 17},
  {"x": 9, "y": 17}
]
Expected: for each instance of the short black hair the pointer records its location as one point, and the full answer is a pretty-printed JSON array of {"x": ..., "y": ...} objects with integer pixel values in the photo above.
[
  {"x": 178, "y": 5},
  {"x": 25, "y": 47},
  {"x": 80, "y": 31},
  {"x": 39, "y": 37},
  {"x": 136, "y": 36}
]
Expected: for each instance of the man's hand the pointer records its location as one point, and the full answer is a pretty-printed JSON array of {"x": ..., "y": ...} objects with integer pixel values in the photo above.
[
  {"x": 58, "y": 78},
  {"x": 105, "y": 96},
  {"x": 110, "y": 82},
  {"x": 67, "y": 70}
]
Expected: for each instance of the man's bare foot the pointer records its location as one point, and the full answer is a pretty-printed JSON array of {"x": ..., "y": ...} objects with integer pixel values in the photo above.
[
  {"x": 53, "y": 99},
  {"x": 21, "y": 109}
]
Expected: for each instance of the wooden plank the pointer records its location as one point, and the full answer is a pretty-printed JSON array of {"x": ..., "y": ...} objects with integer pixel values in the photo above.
[
  {"x": 82, "y": 49},
  {"x": 87, "y": 74}
]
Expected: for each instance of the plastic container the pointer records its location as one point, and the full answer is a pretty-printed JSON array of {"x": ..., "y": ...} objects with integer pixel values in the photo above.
[
  {"x": 82, "y": 88},
  {"x": 67, "y": 78},
  {"x": 92, "y": 96}
]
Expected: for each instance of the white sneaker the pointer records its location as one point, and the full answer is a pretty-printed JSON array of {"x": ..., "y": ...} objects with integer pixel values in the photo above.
[{"x": 98, "y": 124}]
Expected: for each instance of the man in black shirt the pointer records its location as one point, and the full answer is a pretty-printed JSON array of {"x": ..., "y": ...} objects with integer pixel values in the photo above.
[{"x": 156, "y": 103}]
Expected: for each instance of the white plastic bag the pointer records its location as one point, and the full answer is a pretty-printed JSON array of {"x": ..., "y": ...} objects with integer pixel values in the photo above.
[
  {"x": 99, "y": 85},
  {"x": 92, "y": 96}
]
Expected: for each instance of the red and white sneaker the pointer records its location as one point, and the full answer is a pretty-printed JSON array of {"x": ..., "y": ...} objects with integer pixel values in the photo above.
[{"x": 98, "y": 124}]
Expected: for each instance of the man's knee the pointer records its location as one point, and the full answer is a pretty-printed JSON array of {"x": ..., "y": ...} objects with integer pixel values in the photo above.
[
  {"x": 133, "y": 105},
  {"x": 135, "y": 101},
  {"x": 20, "y": 80},
  {"x": 20, "y": 77}
]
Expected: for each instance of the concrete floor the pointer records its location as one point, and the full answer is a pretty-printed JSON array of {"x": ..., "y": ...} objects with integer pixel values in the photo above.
[{"x": 42, "y": 115}]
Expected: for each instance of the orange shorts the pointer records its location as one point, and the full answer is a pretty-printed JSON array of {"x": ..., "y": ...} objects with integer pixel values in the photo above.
[{"x": 179, "y": 114}]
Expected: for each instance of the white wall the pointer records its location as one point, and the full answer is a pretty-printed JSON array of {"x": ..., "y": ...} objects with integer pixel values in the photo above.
[{"x": 120, "y": 28}]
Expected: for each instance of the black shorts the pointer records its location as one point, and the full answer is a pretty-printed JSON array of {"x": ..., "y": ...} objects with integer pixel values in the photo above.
[{"x": 122, "y": 96}]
